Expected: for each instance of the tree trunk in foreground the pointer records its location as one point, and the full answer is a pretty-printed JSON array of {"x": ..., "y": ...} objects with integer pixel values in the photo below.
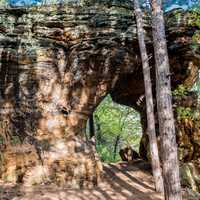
[
  {"x": 164, "y": 102},
  {"x": 155, "y": 162}
]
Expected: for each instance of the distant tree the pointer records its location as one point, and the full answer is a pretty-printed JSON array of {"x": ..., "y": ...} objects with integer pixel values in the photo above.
[
  {"x": 164, "y": 106},
  {"x": 116, "y": 127},
  {"x": 116, "y": 146}
]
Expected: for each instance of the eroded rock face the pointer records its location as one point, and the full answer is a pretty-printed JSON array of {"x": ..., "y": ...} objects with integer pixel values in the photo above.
[
  {"x": 185, "y": 64},
  {"x": 56, "y": 65}
]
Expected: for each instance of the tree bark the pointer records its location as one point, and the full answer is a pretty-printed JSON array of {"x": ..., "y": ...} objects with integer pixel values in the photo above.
[
  {"x": 116, "y": 145},
  {"x": 155, "y": 161},
  {"x": 164, "y": 103}
]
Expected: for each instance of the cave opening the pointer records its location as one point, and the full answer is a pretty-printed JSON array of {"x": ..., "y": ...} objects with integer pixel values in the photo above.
[{"x": 114, "y": 127}]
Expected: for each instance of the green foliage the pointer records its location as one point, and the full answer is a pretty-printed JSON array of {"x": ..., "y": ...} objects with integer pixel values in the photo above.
[
  {"x": 106, "y": 154},
  {"x": 188, "y": 113},
  {"x": 184, "y": 113},
  {"x": 180, "y": 91},
  {"x": 195, "y": 21},
  {"x": 196, "y": 38},
  {"x": 195, "y": 17},
  {"x": 111, "y": 121},
  {"x": 196, "y": 87}
]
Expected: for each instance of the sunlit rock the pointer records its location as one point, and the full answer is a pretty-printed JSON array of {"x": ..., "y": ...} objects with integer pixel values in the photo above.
[{"x": 57, "y": 63}]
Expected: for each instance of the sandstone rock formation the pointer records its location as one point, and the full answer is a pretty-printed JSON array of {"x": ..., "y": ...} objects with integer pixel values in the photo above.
[
  {"x": 128, "y": 154},
  {"x": 185, "y": 63},
  {"x": 56, "y": 65}
]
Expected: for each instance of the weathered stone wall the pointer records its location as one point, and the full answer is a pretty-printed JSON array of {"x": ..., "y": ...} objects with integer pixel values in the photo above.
[
  {"x": 185, "y": 65},
  {"x": 56, "y": 65}
]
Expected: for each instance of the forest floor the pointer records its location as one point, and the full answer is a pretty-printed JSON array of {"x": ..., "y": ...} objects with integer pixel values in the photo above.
[{"x": 122, "y": 181}]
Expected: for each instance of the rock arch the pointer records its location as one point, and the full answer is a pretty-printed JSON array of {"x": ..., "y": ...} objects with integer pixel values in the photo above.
[{"x": 57, "y": 63}]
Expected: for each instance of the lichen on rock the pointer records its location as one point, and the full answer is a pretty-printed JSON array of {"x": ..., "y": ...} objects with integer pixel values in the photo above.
[{"x": 57, "y": 63}]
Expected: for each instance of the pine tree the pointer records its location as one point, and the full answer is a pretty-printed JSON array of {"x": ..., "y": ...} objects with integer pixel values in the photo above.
[
  {"x": 155, "y": 162},
  {"x": 164, "y": 105}
]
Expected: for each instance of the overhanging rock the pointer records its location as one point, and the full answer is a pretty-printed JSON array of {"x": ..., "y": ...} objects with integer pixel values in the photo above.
[{"x": 57, "y": 64}]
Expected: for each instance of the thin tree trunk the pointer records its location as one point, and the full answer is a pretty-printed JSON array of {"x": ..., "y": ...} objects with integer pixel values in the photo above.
[
  {"x": 91, "y": 126},
  {"x": 116, "y": 145},
  {"x": 164, "y": 102},
  {"x": 155, "y": 162},
  {"x": 98, "y": 130}
]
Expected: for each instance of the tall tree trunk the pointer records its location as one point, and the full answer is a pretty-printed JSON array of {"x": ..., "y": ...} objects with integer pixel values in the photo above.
[
  {"x": 155, "y": 162},
  {"x": 164, "y": 102},
  {"x": 91, "y": 126}
]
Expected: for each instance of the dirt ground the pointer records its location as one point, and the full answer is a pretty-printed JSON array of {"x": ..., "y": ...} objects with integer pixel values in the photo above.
[{"x": 121, "y": 181}]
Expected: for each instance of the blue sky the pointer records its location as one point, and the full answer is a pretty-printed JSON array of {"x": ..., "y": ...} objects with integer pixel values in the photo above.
[
  {"x": 170, "y": 4},
  {"x": 24, "y": 2}
]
